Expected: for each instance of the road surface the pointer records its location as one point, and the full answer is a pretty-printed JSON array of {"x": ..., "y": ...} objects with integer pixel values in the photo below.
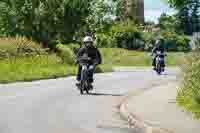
[{"x": 55, "y": 106}]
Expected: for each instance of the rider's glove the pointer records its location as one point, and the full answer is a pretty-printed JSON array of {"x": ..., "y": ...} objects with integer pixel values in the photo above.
[{"x": 91, "y": 67}]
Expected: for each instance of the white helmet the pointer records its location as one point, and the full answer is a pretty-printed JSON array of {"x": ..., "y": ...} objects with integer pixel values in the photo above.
[{"x": 87, "y": 39}]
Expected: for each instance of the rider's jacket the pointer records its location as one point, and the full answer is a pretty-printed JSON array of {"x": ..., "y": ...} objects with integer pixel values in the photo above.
[{"x": 92, "y": 52}]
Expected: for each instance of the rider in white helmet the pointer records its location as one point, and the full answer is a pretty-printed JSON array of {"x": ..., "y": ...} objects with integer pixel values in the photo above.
[{"x": 93, "y": 53}]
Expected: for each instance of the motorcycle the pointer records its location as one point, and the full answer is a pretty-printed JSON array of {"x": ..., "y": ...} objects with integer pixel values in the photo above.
[
  {"x": 159, "y": 64},
  {"x": 84, "y": 82}
]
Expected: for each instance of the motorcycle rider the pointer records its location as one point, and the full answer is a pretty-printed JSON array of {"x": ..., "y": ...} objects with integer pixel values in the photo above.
[
  {"x": 159, "y": 46},
  {"x": 92, "y": 52}
]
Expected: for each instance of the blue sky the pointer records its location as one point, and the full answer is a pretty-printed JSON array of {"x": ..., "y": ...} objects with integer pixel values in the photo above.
[{"x": 154, "y": 8}]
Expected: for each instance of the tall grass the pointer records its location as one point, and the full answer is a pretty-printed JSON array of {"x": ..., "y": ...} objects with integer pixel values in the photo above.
[
  {"x": 189, "y": 93},
  {"x": 32, "y": 68},
  {"x": 22, "y": 59},
  {"x": 25, "y": 60},
  {"x": 122, "y": 57}
]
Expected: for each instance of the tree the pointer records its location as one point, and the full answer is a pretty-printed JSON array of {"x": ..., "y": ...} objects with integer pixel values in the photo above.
[
  {"x": 45, "y": 20},
  {"x": 102, "y": 15},
  {"x": 185, "y": 20},
  {"x": 167, "y": 22},
  {"x": 3, "y": 19},
  {"x": 196, "y": 16},
  {"x": 188, "y": 14},
  {"x": 126, "y": 9}
]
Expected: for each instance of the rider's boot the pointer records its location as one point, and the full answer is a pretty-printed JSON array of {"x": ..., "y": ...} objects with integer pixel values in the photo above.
[
  {"x": 78, "y": 84},
  {"x": 91, "y": 87},
  {"x": 154, "y": 67}
]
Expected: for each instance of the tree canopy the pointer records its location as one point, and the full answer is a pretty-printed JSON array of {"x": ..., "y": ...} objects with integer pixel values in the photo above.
[{"x": 43, "y": 20}]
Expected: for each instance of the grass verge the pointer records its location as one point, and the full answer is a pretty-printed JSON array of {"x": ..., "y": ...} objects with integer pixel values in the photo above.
[
  {"x": 24, "y": 66},
  {"x": 122, "y": 57},
  {"x": 188, "y": 97}
]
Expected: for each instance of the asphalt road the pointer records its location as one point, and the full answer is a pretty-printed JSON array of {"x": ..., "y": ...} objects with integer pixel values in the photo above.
[{"x": 55, "y": 106}]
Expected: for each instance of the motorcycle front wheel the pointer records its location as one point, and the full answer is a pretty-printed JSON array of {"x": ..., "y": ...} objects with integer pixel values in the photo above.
[
  {"x": 158, "y": 69},
  {"x": 81, "y": 87}
]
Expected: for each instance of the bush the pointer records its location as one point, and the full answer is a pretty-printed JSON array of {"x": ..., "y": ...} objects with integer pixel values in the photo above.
[
  {"x": 65, "y": 53},
  {"x": 197, "y": 43},
  {"x": 175, "y": 42},
  {"x": 189, "y": 94},
  {"x": 19, "y": 46},
  {"x": 182, "y": 43},
  {"x": 74, "y": 47},
  {"x": 127, "y": 35},
  {"x": 172, "y": 41},
  {"x": 149, "y": 41},
  {"x": 105, "y": 41},
  {"x": 121, "y": 35}
]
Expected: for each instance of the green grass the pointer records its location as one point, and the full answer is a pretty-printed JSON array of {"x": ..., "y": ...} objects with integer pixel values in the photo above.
[
  {"x": 50, "y": 66},
  {"x": 188, "y": 97},
  {"x": 33, "y": 68},
  {"x": 37, "y": 68},
  {"x": 122, "y": 57},
  {"x": 47, "y": 66}
]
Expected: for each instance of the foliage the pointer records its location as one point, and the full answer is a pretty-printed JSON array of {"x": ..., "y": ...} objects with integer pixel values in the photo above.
[
  {"x": 175, "y": 42},
  {"x": 19, "y": 46},
  {"x": 149, "y": 40},
  {"x": 37, "y": 66},
  {"x": 185, "y": 20},
  {"x": 123, "y": 57},
  {"x": 121, "y": 35},
  {"x": 126, "y": 9},
  {"x": 189, "y": 94},
  {"x": 177, "y": 3},
  {"x": 196, "y": 16},
  {"x": 197, "y": 43},
  {"x": 168, "y": 23},
  {"x": 102, "y": 14},
  {"x": 44, "y": 21},
  {"x": 22, "y": 59},
  {"x": 74, "y": 47},
  {"x": 105, "y": 41},
  {"x": 65, "y": 53},
  {"x": 33, "y": 68},
  {"x": 127, "y": 35},
  {"x": 188, "y": 14},
  {"x": 172, "y": 41}
]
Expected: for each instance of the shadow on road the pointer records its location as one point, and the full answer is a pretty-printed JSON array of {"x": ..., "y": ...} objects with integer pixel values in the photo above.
[{"x": 104, "y": 94}]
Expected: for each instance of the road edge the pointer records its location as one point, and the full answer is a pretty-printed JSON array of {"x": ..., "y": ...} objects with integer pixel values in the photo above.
[{"x": 134, "y": 120}]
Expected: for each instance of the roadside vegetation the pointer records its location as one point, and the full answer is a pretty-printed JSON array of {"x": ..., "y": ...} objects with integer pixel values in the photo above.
[
  {"x": 22, "y": 59},
  {"x": 188, "y": 22},
  {"x": 38, "y": 39},
  {"x": 188, "y": 97}
]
